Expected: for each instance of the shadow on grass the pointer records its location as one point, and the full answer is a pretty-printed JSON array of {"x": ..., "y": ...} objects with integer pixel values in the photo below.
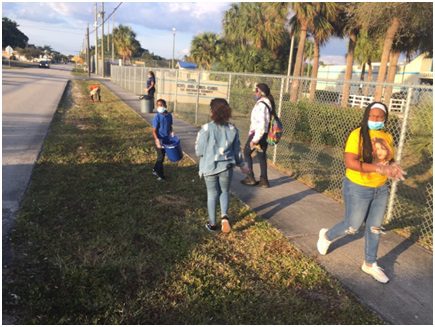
[{"x": 99, "y": 240}]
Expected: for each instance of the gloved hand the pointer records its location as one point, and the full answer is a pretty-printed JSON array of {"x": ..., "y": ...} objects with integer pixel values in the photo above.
[
  {"x": 393, "y": 171},
  {"x": 158, "y": 143}
]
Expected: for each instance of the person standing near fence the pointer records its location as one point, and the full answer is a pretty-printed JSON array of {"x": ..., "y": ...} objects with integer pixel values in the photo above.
[
  {"x": 369, "y": 162},
  {"x": 257, "y": 138},
  {"x": 162, "y": 131},
  {"x": 150, "y": 84},
  {"x": 218, "y": 148}
]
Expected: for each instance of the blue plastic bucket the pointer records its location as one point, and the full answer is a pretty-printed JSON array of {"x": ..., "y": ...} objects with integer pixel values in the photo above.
[{"x": 172, "y": 148}]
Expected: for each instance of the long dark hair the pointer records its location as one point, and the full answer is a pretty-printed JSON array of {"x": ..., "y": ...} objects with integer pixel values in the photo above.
[
  {"x": 265, "y": 91},
  {"x": 367, "y": 154},
  {"x": 220, "y": 111}
]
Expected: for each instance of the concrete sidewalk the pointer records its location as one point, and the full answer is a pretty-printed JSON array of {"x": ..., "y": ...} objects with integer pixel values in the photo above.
[{"x": 299, "y": 212}]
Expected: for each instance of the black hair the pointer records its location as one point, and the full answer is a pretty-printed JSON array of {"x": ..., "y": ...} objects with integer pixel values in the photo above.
[
  {"x": 151, "y": 73},
  {"x": 367, "y": 154},
  {"x": 220, "y": 111},
  {"x": 162, "y": 101},
  {"x": 265, "y": 91}
]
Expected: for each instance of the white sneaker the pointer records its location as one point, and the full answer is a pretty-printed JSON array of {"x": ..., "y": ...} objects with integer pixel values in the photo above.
[
  {"x": 376, "y": 272},
  {"x": 323, "y": 243}
]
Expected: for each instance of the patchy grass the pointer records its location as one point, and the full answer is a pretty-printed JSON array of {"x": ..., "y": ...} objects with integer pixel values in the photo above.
[{"x": 100, "y": 241}]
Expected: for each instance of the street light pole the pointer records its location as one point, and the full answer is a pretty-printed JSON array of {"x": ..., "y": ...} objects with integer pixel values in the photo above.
[
  {"x": 88, "y": 53},
  {"x": 113, "y": 39},
  {"x": 96, "y": 38},
  {"x": 102, "y": 37},
  {"x": 173, "y": 47},
  {"x": 290, "y": 59}
]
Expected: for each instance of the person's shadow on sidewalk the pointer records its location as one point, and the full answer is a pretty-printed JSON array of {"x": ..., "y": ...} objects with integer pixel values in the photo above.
[
  {"x": 280, "y": 181},
  {"x": 282, "y": 203}
]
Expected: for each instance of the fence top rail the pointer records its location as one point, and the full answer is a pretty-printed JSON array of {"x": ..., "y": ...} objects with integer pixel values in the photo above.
[{"x": 353, "y": 82}]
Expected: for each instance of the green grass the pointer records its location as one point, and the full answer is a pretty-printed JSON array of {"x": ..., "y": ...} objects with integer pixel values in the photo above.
[{"x": 100, "y": 241}]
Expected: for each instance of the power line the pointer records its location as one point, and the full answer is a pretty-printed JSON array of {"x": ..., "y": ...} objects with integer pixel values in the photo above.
[{"x": 113, "y": 11}]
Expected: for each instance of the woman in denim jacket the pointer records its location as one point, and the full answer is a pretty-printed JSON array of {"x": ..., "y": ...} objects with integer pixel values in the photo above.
[{"x": 218, "y": 148}]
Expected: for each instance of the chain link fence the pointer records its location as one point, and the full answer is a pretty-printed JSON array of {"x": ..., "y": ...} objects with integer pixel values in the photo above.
[{"x": 318, "y": 116}]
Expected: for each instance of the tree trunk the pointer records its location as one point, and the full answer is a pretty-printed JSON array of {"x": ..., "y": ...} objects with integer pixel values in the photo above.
[
  {"x": 389, "y": 38},
  {"x": 298, "y": 65},
  {"x": 315, "y": 69},
  {"x": 349, "y": 67},
  {"x": 363, "y": 72},
  {"x": 394, "y": 59},
  {"x": 369, "y": 77}
]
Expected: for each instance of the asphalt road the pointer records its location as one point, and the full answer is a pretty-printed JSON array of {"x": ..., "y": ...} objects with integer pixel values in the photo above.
[{"x": 30, "y": 98}]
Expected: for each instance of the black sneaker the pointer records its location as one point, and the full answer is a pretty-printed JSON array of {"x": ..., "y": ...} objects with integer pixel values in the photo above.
[
  {"x": 211, "y": 228},
  {"x": 264, "y": 183},
  {"x": 249, "y": 180}
]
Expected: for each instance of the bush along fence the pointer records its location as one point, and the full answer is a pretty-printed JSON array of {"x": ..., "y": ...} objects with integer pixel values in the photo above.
[{"x": 317, "y": 115}]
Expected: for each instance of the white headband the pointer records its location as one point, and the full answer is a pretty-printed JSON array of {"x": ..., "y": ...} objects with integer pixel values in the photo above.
[{"x": 379, "y": 106}]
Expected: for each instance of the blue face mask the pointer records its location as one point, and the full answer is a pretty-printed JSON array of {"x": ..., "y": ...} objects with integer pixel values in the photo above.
[
  {"x": 375, "y": 125},
  {"x": 256, "y": 97}
]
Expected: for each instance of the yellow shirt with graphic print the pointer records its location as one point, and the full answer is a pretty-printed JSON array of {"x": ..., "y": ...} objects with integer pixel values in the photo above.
[{"x": 382, "y": 143}]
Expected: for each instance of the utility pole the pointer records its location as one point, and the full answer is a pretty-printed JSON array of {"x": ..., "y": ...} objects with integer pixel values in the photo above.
[
  {"x": 102, "y": 37},
  {"x": 96, "y": 38},
  {"x": 88, "y": 52},
  {"x": 108, "y": 35},
  {"x": 113, "y": 46}
]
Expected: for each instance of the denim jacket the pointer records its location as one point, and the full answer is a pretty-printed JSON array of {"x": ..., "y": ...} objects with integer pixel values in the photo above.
[{"x": 218, "y": 148}]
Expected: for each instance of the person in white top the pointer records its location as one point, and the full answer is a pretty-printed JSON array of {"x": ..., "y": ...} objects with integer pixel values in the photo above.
[{"x": 260, "y": 118}]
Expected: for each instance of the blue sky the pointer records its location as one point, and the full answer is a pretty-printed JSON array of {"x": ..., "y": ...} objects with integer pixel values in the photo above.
[{"x": 62, "y": 25}]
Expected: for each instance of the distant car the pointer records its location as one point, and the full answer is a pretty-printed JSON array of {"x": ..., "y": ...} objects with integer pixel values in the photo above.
[{"x": 44, "y": 64}]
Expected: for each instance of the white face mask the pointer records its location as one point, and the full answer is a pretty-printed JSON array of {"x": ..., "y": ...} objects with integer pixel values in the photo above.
[{"x": 161, "y": 110}]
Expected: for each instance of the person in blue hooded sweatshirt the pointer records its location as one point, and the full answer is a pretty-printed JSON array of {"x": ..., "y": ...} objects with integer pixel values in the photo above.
[
  {"x": 162, "y": 131},
  {"x": 218, "y": 148}
]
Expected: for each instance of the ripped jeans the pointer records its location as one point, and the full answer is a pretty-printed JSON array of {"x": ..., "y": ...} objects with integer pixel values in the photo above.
[
  {"x": 218, "y": 189},
  {"x": 362, "y": 204}
]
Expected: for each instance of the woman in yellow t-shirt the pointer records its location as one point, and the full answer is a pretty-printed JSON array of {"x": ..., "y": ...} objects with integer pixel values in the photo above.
[{"x": 369, "y": 161}]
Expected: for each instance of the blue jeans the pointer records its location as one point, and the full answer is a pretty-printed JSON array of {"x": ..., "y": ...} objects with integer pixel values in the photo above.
[
  {"x": 218, "y": 187},
  {"x": 362, "y": 204}
]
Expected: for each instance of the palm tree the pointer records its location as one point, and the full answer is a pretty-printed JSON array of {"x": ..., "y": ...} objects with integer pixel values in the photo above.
[
  {"x": 257, "y": 25},
  {"x": 387, "y": 19},
  {"x": 412, "y": 37},
  {"x": 367, "y": 50},
  {"x": 347, "y": 25},
  {"x": 303, "y": 14},
  {"x": 308, "y": 56},
  {"x": 204, "y": 49},
  {"x": 254, "y": 28},
  {"x": 321, "y": 29},
  {"x": 125, "y": 41}
]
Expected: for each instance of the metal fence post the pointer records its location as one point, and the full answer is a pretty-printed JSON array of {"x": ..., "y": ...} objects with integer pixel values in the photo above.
[
  {"x": 134, "y": 83},
  {"x": 141, "y": 81},
  {"x": 399, "y": 153},
  {"x": 197, "y": 99},
  {"x": 176, "y": 90},
  {"x": 279, "y": 115}
]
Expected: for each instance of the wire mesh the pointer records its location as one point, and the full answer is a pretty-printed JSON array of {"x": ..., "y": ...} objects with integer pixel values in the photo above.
[{"x": 317, "y": 115}]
